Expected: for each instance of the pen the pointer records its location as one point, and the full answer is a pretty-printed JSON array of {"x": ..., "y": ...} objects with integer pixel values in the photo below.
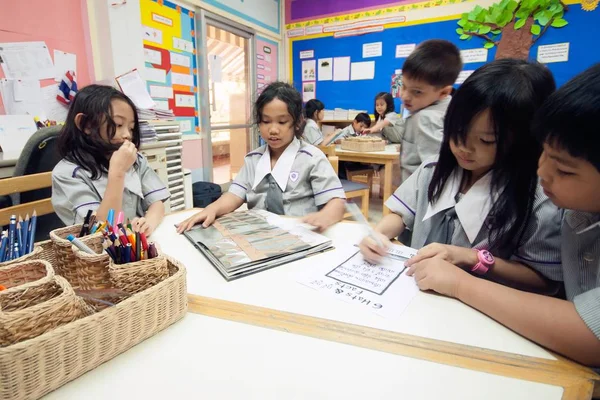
[
  {"x": 359, "y": 217},
  {"x": 80, "y": 245},
  {"x": 32, "y": 226}
]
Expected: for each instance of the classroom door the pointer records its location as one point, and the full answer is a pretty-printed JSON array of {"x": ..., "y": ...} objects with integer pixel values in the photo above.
[{"x": 229, "y": 51}]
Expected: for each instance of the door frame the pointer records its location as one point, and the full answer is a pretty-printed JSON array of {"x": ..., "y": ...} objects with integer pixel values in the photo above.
[{"x": 203, "y": 19}]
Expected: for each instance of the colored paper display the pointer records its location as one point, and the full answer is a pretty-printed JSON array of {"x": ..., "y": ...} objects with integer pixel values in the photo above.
[{"x": 170, "y": 59}]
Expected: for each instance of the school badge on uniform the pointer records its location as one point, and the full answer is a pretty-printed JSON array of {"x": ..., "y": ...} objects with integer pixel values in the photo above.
[{"x": 294, "y": 175}]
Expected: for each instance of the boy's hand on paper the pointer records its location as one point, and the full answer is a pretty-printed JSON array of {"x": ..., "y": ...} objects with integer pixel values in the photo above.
[
  {"x": 320, "y": 220},
  {"x": 439, "y": 275},
  {"x": 206, "y": 217},
  {"x": 461, "y": 256},
  {"x": 122, "y": 159},
  {"x": 373, "y": 252}
]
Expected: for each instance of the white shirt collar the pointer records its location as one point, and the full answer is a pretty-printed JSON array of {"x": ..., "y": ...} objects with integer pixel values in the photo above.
[
  {"x": 472, "y": 209},
  {"x": 282, "y": 169}
]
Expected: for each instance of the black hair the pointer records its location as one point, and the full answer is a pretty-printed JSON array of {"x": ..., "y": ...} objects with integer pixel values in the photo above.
[
  {"x": 364, "y": 118},
  {"x": 313, "y": 106},
  {"x": 89, "y": 150},
  {"x": 389, "y": 105},
  {"x": 435, "y": 61},
  {"x": 512, "y": 90},
  {"x": 286, "y": 93},
  {"x": 569, "y": 118}
]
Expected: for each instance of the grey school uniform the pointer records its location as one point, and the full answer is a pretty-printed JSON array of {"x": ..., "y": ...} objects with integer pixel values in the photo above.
[
  {"x": 312, "y": 134},
  {"x": 539, "y": 247},
  {"x": 302, "y": 172},
  {"x": 581, "y": 265},
  {"x": 420, "y": 135},
  {"x": 74, "y": 192}
]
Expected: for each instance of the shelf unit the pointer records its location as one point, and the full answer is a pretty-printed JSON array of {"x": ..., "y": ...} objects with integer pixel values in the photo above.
[{"x": 164, "y": 157}]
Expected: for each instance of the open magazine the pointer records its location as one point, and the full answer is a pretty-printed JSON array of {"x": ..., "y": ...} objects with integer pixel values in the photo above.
[{"x": 245, "y": 242}]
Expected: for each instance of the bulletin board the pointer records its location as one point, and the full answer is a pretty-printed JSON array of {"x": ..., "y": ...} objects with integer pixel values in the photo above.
[
  {"x": 43, "y": 21},
  {"x": 581, "y": 33},
  {"x": 170, "y": 60},
  {"x": 267, "y": 62}
]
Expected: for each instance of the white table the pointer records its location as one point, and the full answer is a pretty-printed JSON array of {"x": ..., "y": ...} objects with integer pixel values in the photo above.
[{"x": 206, "y": 357}]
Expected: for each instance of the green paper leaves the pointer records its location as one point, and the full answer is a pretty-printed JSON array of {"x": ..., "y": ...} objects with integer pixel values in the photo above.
[
  {"x": 488, "y": 45},
  {"x": 536, "y": 29},
  {"x": 519, "y": 24},
  {"x": 559, "y": 23}
]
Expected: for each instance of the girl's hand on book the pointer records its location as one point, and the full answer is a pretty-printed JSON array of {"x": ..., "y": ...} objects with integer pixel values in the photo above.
[
  {"x": 122, "y": 159},
  {"x": 320, "y": 220},
  {"x": 439, "y": 275},
  {"x": 461, "y": 256},
  {"x": 371, "y": 250},
  {"x": 206, "y": 217}
]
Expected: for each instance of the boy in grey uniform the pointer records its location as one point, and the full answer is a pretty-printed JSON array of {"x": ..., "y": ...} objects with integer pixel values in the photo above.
[
  {"x": 427, "y": 78},
  {"x": 569, "y": 169}
]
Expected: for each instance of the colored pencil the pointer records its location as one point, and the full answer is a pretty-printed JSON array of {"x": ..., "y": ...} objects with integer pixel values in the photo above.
[{"x": 32, "y": 226}]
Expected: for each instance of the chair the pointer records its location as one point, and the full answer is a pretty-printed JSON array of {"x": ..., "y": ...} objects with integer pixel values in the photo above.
[
  {"x": 30, "y": 188},
  {"x": 352, "y": 189}
]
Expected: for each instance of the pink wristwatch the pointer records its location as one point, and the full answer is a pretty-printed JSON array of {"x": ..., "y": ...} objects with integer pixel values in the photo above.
[{"x": 486, "y": 261}]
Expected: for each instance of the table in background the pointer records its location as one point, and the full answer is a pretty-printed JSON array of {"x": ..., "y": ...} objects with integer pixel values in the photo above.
[
  {"x": 387, "y": 158},
  {"x": 8, "y": 161}
]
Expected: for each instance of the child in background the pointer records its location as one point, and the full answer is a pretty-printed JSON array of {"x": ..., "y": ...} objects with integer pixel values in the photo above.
[
  {"x": 314, "y": 111},
  {"x": 387, "y": 121},
  {"x": 287, "y": 176},
  {"x": 427, "y": 78},
  {"x": 569, "y": 169},
  {"x": 476, "y": 206},
  {"x": 101, "y": 168},
  {"x": 361, "y": 122}
]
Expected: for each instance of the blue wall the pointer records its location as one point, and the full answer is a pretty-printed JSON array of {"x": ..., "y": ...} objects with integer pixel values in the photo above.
[{"x": 583, "y": 34}]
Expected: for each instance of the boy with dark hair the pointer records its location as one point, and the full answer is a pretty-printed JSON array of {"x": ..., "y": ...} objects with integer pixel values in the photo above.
[
  {"x": 427, "y": 78},
  {"x": 569, "y": 171},
  {"x": 361, "y": 122}
]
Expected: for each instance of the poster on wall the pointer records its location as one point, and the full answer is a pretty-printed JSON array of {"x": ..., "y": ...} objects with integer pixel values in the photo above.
[
  {"x": 170, "y": 60},
  {"x": 396, "y": 85},
  {"x": 309, "y": 91},
  {"x": 309, "y": 70},
  {"x": 267, "y": 59}
]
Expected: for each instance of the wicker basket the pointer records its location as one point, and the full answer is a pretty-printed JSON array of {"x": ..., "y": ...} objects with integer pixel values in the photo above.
[
  {"x": 35, "y": 367},
  {"x": 26, "y": 284},
  {"x": 41, "y": 251},
  {"x": 140, "y": 275},
  {"x": 363, "y": 144},
  {"x": 67, "y": 263},
  {"x": 30, "y": 310},
  {"x": 88, "y": 271}
]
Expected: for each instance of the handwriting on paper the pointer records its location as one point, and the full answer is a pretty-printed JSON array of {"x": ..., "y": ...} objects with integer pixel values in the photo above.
[
  {"x": 375, "y": 278},
  {"x": 346, "y": 292}
]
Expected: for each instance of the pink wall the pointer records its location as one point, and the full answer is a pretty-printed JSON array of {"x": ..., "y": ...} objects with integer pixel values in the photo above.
[{"x": 62, "y": 24}]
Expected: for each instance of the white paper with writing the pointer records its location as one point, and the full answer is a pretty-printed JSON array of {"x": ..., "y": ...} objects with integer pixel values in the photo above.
[
  {"x": 553, "y": 53},
  {"x": 382, "y": 288}
]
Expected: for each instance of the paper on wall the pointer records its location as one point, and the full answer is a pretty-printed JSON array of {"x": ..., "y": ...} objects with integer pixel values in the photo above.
[
  {"x": 161, "y": 104},
  {"x": 309, "y": 91},
  {"x": 64, "y": 62},
  {"x": 180, "y": 59},
  {"x": 362, "y": 70},
  {"x": 309, "y": 72},
  {"x": 183, "y": 45},
  {"x": 53, "y": 109},
  {"x": 15, "y": 130},
  {"x": 474, "y": 55},
  {"x": 404, "y": 50},
  {"x": 134, "y": 86},
  {"x": 185, "y": 100},
  {"x": 182, "y": 79},
  {"x": 307, "y": 54},
  {"x": 551, "y": 53},
  {"x": 341, "y": 68},
  {"x": 325, "y": 70},
  {"x": 372, "y": 49},
  {"x": 162, "y": 92},
  {"x": 156, "y": 75},
  {"x": 26, "y": 60},
  {"x": 216, "y": 68},
  {"x": 152, "y": 34},
  {"x": 152, "y": 56},
  {"x": 22, "y": 97},
  {"x": 463, "y": 75}
]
